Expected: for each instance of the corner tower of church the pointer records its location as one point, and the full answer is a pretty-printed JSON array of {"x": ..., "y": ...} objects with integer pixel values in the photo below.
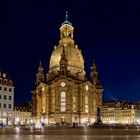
[{"x": 65, "y": 97}]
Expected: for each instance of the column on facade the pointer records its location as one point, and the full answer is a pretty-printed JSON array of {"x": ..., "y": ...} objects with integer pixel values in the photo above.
[
  {"x": 37, "y": 100},
  {"x": 47, "y": 102},
  {"x": 53, "y": 101},
  {"x": 43, "y": 101},
  {"x": 68, "y": 101},
  {"x": 34, "y": 103}
]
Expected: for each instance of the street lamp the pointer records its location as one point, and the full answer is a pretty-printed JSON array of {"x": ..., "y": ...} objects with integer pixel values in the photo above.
[{"x": 17, "y": 121}]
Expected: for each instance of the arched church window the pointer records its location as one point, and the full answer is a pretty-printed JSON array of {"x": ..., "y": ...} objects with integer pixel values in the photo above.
[
  {"x": 86, "y": 109},
  {"x": 86, "y": 104},
  {"x": 74, "y": 104},
  {"x": 86, "y": 99},
  {"x": 74, "y": 99},
  {"x": 63, "y": 101}
]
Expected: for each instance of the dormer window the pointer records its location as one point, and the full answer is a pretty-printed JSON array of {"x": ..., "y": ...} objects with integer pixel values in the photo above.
[
  {"x": 10, "y": 83},
  {"x": 5, "y": 82},
  {"x": 4, "y": 75}
]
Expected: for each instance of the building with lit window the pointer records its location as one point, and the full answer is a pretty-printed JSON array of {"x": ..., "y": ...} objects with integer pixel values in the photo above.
[
  {"x": 120, "y": 113},
  {"x": 64, "y": 95},
  {"x": 6, "y": 99},
  {"x": 23, "y": 114}
]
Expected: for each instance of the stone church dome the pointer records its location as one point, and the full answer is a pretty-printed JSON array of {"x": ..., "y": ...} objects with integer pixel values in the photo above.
[{"x": 73, "y": 53}]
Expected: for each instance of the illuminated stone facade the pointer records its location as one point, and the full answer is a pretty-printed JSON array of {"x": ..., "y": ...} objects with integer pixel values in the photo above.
[
  {"x": 6, "y": 99},
  {"x": 23, "y": 114},
  {"x": 120, "y": 113},
  {"x": 65, "y": 96}
]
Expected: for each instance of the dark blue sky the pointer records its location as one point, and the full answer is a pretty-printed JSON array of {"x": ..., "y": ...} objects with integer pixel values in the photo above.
[{"x": 107, "y": 31}]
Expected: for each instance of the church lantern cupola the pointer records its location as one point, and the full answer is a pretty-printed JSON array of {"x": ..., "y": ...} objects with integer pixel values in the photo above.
[
  {"x": 66, "y": 29},
  {"x": 75, "y": 61}
]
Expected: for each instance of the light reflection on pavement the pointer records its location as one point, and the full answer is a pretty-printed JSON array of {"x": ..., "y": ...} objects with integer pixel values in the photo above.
[
  {"x": 66, "y": 137},
  {"x": 63, "y": 133}
]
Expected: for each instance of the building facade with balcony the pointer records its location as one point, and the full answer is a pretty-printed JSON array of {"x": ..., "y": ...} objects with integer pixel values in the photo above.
[
  {"x": 120, "y": 113},
  {"x": 23, "y": 114},
  {"x": 6, "y": 99}
]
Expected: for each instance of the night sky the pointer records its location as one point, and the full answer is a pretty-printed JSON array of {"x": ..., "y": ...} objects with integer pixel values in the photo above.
[{"x": 105, "y": 30}]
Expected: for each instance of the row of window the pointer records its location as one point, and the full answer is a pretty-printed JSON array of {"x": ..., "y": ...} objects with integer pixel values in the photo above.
[
  {"x": 5, "y": 105},
  {"x": 5, "y": 82},
  {"x": 123, "y": 115},
  {"x": 6, "y": 89},
  {"x": 5, "y": 97},
  {"x": 126, "y": 111},
  {"x": 5, "y": 114},
  {"x": 111, "y": 112},
  {"x": 63, "y": 103}
]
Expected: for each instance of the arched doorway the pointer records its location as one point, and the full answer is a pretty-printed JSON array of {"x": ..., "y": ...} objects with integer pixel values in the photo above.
[{"x": 63, "y": 120}]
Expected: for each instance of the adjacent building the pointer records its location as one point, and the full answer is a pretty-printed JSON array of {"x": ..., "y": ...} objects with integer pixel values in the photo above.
[
  {"x": 22, "y": 114},
  {"x": 120, "y": 113},
  {"x": 64, "y": 95},
  {"x": 6, "y": 99}
]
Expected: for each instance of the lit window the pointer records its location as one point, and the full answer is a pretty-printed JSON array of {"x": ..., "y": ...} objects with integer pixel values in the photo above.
[
  {"x": 63, "y": 94},
  {"x": 63, "y": 101},
  {"x": 9, "y": 114},
  {"x": 86, "y": 99},
  {"x": 74, "y": 99},
  {"x": 74, "y": 108},
  {"x": 4, "y": 113},
  {"x": 86, "y": 108},
  {"x": 86, "y": 104},
  {"x": 63, "y": 108},
  {"x": 87, "y": 87},
  {"x": 4, "y": 75},
  {"x": 63, "y": 97}
]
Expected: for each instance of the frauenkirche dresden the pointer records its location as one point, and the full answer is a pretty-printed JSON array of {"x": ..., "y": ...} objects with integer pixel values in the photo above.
[{"x": 64, "y": 95}]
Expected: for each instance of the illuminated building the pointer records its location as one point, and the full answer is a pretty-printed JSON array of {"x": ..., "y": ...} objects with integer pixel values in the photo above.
[
  {"x": 120, "y": 113},
  {"x": 65, "y": 96},
  {"x": 22, "y": 114},
  {"x": 6, "y": 99}
]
